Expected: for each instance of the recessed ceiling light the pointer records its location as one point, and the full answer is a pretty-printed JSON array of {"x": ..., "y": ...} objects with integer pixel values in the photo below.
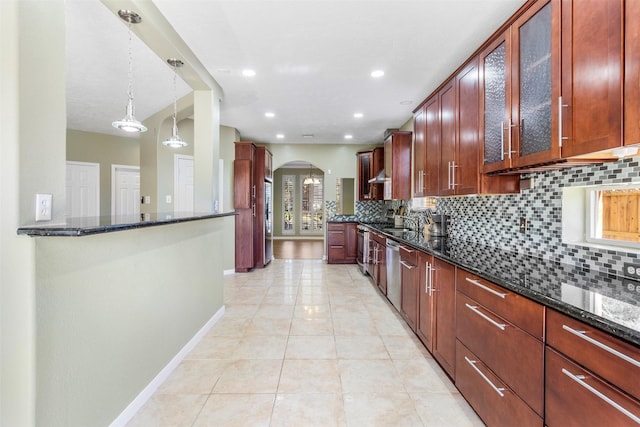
[
  {"x": 348, "y": 136},
  {"x": 377, "y": 73},
  {"x": 248, "y": 73},
  {"x": 269, "y": 114},
  {"x": 280, "y": 136},
  {"x": 307, "y": 135},
  {"x": 358, "y": 115}
]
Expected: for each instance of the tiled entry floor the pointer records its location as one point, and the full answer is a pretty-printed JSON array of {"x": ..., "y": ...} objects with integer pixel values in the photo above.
[{"x": 303, "y": 343}]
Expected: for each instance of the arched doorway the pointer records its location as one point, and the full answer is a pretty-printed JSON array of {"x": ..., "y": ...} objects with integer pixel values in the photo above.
[{"x": 298, "y": 211}]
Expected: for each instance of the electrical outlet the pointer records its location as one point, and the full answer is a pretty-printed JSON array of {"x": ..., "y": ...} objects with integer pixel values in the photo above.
[
  {"x": 43, "y": 207},
  {"x": 167, "y": 198},
  {"x": 523, "y": 224},
  {"x": 632, "y": 271}
]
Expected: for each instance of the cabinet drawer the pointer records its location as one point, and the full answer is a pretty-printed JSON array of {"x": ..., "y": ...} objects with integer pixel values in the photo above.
[
  {"x": 335, "y": 238},
  {"x": 614, "y": 360},
  {"x": 494, "y": 402},
  {"x": 379, "y": 238},
  {"x": 576, "y": 397},
  {"x": 522, "y": 312},
  {"x": 409, "y": 256},
  {"x": 515, "y": 356}
]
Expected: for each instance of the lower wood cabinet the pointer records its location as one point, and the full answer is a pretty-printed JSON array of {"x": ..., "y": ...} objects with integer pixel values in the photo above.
[
  {"x": 491, "y": 398},
  {"x": 444, "y": 289},
  {"x": 425, "y": 328},
  {"x": 577, "y": 397},
  {"x": 409, "y": 285},
  {"x": 378, "y": 261},
  {"x": 342, "y": 243}
]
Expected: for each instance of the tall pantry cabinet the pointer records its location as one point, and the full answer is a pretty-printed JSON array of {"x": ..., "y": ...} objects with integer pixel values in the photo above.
[{"x": 253, "y": 201}]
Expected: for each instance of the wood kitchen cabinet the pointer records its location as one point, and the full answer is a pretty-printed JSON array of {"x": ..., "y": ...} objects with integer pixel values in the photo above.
[
  {"x": 520, "y": 76},
  {"x": 632, "y": 74},
  {"x": 425, "y": 328},
  {"x": 244, "y": 202},
  {"x": 370, "y": 163},
  {"x": 502, "y": 332},
  {"x": 250, "y": 176},
  {"x": 409, "y": 275},
  {"x": 444, "y": 343},
  {"x": 419, "y": 152},
  {"x": 397, "y": 166},
  {"x": 593, "y": 74},
  {"x": 379, "y": 261},
  {"x": 432, "y": 142},
  {"x": 342, "y": 243}
]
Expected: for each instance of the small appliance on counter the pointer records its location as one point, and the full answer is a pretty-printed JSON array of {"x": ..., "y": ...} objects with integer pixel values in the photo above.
[{"x": 437, "y": 225}]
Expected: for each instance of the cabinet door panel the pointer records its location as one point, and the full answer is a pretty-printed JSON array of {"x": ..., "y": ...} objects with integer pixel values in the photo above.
[
  {"x": 447, "y": 138},
  {"x": 494, "y": 402},
  {"x": 576, "y": 397},
  {"x": 444, "y": 347},
  {"x": 426, "y": 323},
  {"x": 592, "y": 75},
  {"x": 466, "y": 171},
  {"x": 419, "y": 151},
  {"x": 409, "y": 285},
  {"x": 632, "y": 74},
  {"x": 432, "y": 136},
  {"x": 495, "y": 99}
]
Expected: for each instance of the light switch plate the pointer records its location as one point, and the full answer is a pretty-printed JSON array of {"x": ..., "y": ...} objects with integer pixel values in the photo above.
[{"x": 43, "y": 207}]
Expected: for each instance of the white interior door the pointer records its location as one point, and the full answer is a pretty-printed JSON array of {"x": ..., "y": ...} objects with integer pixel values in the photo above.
[
  {"x": 125, "y": 190},
  {"x": 83, "y": 189},
  {"x": 183, "y": 184}
]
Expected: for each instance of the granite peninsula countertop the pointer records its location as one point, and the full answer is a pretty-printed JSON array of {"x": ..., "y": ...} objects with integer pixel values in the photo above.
[
  {"x": 607, "y": 302},
  {"x": 107, "y": 224}
]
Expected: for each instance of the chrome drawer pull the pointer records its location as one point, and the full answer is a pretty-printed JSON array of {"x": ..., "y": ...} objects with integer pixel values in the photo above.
[
  {"x": 498, "y": 390},
  {"x": 406, "y": 264},
  {"x": 582, "y": 334},
  {"x": 486, "y": 288},
  {"x": 579, "y": 378},
  {"x": 484, "y": 316}
]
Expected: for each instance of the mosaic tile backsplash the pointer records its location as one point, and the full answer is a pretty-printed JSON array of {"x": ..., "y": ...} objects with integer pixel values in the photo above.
[{"x": 494, "y": 220}]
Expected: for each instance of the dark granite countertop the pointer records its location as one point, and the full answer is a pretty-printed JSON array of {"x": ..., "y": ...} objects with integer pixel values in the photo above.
[
  {"x": 610, "y": 303},
  {"x": 108, "y": 224}
]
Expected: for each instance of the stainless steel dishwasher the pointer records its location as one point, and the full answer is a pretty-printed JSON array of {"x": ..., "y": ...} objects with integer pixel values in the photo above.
[{"x": 393, "y": 273}]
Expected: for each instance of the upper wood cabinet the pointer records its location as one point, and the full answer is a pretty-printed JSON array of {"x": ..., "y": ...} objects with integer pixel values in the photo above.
[
  {"x": 632, "y": 74},
  {"x": 592, "y": 74},
  {"x": 520, "y": 76},
  {"x": 419, "y": 152},
  {"x": 370, "y": 163},
  {"x": 432, "y": 143},
  {"x": 397, "y": 166}
]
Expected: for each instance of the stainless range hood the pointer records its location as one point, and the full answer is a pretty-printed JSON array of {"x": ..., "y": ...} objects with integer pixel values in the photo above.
[{"x": 379, "y": 179}]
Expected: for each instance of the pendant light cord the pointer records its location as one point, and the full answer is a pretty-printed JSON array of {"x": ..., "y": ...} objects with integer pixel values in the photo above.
[{"x": 130, "y": 75}]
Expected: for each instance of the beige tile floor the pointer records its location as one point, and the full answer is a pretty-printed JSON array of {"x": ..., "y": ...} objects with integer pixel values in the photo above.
[{"x": 303, "y": 343}]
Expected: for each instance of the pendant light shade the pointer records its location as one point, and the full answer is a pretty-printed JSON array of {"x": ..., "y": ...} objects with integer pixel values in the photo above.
[
  {"x": 129, "y": 122},
  {"x": 174, "y": 141}
]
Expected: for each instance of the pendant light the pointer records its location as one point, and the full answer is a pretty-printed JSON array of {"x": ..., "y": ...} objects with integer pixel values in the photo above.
[
  {"x": 310, "y": 179},
  {"x": 174, "y": 141},
  {"x": 129, "y": 122}
]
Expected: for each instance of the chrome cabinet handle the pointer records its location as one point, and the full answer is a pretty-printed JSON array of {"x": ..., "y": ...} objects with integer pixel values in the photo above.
[
  {"x": 579, "y": 379},
  {"x": 511, "y": 125},
  {"x": 407, "y": 265},
  {"x": 498, "y": 390},
  {"x": 560, "y": 107},
  {"x": 448, "y": 175},
  {"x": 453, "y": 175},
  {"x": 582, "y": 334},
  {"x": 502, "y": 140},
  {"x": 427, "y": 288},
  {"x": 474, "y": 308},
  {"x": 486, "y": 288}
]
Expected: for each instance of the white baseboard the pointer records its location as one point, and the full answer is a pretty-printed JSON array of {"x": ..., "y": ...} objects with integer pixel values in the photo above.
[{"x": 142, "y": 398}]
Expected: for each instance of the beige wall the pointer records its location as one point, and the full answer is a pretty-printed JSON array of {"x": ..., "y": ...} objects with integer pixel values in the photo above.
[
  {"x": 113, "y": 310},
  {"x": 107, "y": 150},
  {"x": 17, "y": 264}
]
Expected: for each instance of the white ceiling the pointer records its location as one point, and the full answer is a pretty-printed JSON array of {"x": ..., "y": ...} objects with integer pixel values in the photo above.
[{"x": 313, "y": 60}]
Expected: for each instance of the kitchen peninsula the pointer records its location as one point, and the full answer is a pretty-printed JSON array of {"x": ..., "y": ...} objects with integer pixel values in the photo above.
[{"x": 117, "y": 308}]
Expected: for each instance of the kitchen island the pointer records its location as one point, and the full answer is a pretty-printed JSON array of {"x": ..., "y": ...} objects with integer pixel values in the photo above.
[{"x": 117, "y": 306}]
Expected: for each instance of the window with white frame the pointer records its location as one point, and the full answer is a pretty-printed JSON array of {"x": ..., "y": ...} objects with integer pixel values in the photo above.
[
  {"x": 311, "y": 200},
  {"x": 613, "y": 215},
  {"x": 288, "y": 203}
]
